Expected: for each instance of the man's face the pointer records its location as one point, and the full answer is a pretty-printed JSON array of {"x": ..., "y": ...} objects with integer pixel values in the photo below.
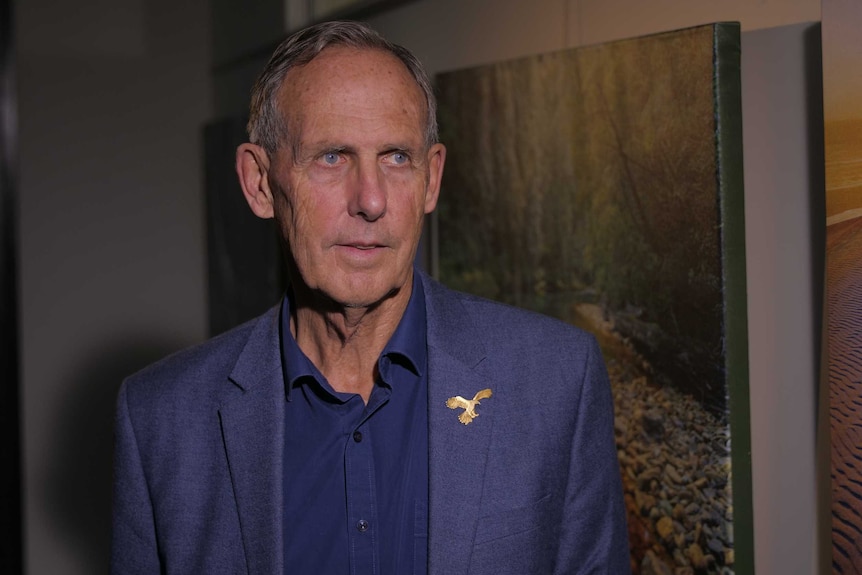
[{"x": 352, "y": 183}]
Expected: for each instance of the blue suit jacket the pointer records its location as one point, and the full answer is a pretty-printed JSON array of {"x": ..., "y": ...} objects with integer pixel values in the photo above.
[{"x": 531, "y": 486}]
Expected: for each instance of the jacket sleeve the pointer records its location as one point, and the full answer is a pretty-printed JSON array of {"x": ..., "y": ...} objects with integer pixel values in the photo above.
[
  {"x": 594, "y": 534},
  {"x": 133, "y": 545}
]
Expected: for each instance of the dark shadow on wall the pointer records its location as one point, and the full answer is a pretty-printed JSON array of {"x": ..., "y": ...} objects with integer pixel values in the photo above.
[
  {"x": 817, "y": 219},
  {"x": 10, "y": 427},
  {"x": 77, "y": 486},
  {"x": 245, "y": 269},
  {"x": 817, "y": 181}
]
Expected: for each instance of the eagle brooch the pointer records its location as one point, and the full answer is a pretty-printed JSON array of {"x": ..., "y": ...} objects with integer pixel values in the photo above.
[{"x": 469, "y": 405}]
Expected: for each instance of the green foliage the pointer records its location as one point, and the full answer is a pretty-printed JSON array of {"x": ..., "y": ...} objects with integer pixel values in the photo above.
[{"x": 592, "y": 167}]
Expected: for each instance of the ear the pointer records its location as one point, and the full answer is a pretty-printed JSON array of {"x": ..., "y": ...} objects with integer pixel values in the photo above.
[
  {"x": 436, "y": 159},
  {"x": 252, "y": 167}
]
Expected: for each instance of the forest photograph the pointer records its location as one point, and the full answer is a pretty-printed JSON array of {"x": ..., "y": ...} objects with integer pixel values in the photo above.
[{"x": 584, "y": 184}]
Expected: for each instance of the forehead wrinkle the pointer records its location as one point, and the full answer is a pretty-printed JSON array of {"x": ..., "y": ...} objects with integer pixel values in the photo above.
[
  {"x": 311, "y": 137},
  {"x": 335, "y": 74}
]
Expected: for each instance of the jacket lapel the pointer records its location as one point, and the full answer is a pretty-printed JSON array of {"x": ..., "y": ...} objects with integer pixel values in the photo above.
[
  {"x": 252, "y": 419},
  {"x": 457, "y": 452}
]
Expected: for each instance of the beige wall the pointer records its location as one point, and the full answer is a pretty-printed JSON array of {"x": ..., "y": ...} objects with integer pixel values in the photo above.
[
  {"x": 785, "y": 218},
  {"x": 450, "y": 34},
  {"x": 111, "y": 98}
]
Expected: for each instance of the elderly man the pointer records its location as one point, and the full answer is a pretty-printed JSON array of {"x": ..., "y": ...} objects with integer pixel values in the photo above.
[{"x": 373, "y": 422}]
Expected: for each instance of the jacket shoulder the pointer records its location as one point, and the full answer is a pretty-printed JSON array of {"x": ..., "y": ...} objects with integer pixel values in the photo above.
[
  {"x": 193, "y": 371},
  {"x": 500, "y": 322}
]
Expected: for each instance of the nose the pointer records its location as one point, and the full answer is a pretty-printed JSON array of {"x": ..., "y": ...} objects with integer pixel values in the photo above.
[{"x": 368, "y": 196}]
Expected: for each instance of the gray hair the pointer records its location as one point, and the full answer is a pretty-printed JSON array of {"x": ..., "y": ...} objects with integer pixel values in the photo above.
[{"x": 266, "y": 125}]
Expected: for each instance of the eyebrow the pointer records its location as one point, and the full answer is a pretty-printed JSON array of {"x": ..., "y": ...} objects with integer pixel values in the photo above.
[{"x": 314, "y": 148}]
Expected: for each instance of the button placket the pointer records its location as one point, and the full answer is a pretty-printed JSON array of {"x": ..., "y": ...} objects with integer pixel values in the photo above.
[{"x": 361, "y": 496}]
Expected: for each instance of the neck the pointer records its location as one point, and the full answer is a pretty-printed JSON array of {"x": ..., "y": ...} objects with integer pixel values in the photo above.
[{"x": 343, "y": 342}]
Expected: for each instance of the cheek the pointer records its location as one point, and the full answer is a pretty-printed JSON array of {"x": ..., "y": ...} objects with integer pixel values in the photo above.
[
  {"x": 305, "y": 222},
  {"x": 288, "y": 214},
  {"x": 407, "y": 194},
  {"x": 303, "y": 239},
  {"x": 417, "y": 210}
]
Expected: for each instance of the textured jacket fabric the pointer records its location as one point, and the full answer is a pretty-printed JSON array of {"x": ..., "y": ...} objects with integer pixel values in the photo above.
[{"x": 531, "y": 486}]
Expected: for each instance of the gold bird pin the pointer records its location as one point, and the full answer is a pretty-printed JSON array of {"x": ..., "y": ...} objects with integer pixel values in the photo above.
[{"x": 469, "y": 405}]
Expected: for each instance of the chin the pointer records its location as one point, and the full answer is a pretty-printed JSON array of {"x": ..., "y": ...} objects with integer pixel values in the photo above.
[
  {"x": 365, "y": 299},
  {"x": 341, "y": 286},
  {"x": 363, "y": 292}
]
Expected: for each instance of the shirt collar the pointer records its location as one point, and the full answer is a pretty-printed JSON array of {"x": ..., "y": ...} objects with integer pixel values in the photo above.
[
  {"x": 408, "y": 342},
  {"x": 409, "y": 339}
]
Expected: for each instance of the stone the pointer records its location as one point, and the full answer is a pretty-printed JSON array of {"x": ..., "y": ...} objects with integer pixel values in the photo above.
[
  {"x": 644, "y": 501},
  {"x": 696, "y": 556},
  {"x": 715, "y": 546},
  {"x": 652, "y": 565},
  {"x": 653, "y": 424},
  {"x": 671, "y": 472},
  {"x": 664, "y": 526}
]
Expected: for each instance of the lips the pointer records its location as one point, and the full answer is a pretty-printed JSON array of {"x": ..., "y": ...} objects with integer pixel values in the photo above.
[
  {"x": 360, "y": 250},
  {"x": 362, "y": 247},
  {"x": 361, "y": 244}
]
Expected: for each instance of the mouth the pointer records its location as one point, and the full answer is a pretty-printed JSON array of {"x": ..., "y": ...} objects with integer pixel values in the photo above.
[
  {"x": 361, "y": 245},
  {"x": 361, "y": 250}
]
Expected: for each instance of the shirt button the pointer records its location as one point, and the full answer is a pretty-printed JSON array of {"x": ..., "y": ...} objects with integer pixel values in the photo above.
[
  {"x": 362, "y": 525},
  {"x": 357, "y": 436}
]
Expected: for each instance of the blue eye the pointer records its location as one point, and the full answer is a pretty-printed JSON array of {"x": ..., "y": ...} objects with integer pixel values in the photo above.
[
  {"x": 399, "y": 158},
  {"x": 330, "y": 158}
]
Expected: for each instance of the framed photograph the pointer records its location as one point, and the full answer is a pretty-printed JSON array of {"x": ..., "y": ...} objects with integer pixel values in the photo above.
[
  {"x": 603, "y": 185},
  {"x": 842, "y": 114}
]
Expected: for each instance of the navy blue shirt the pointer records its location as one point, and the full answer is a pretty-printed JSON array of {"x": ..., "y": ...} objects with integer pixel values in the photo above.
[{"x": 356, "y": 475}]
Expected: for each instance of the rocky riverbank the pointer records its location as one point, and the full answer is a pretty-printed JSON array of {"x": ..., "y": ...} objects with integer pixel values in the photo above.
[{"x": 675, "y": 461}]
